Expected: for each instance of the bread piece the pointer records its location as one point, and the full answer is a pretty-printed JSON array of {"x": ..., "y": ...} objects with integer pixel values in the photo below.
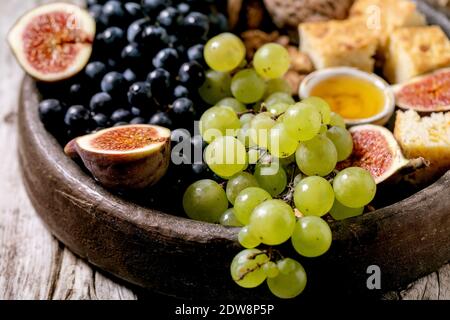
[
  {"x": 385, "y": 16},
  {"x": 427, "y": 137},
  {"x": 338, "y": 43},
  {"x": 289, "y": 13},
  {"x": 414, "y": 51}
]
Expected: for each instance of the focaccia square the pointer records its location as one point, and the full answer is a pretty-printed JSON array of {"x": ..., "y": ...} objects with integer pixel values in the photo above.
[
  {"x": 385, "y": 16},
  {"x": 414, "y": 51},
  {"x": 339, "y": 43},
  {"x": 427, "y": 137}
]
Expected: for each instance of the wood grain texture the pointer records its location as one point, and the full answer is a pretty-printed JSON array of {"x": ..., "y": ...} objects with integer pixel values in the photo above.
[{"x": 33, "y": 265}]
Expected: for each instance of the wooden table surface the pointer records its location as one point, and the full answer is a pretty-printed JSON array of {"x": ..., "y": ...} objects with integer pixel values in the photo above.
[{"x": 33, "y": 264}]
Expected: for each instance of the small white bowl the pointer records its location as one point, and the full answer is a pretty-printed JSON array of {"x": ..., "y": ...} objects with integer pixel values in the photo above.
[{"x": 381, "y": 118}]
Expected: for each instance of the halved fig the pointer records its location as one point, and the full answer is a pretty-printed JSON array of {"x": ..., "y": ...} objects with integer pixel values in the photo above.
[
  {"x": 376, "y": 150},
  {"x": 429, "y": 93},
  {"x": 54, "y": 41},
  {"x": 124, "y": 158}
]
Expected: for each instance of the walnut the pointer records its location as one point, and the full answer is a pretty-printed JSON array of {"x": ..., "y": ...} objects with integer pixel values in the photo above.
[
  {"x": 300, "y": 62},
  {"x": 254, "y": 39},
  {"x": 289, "y": 13},
  {"x": 294, "y": 79}
]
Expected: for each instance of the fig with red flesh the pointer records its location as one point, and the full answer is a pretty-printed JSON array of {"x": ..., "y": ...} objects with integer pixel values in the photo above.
[
  {"x": 128, "y": 157},
  {"x": 376, "y": 150},
  {"x": 54, "y": 41},
  {"x": 429, "y": 93}
]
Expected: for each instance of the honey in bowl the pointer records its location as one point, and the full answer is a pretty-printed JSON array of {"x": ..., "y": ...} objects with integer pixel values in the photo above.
[{"x": 351, "y": 97}]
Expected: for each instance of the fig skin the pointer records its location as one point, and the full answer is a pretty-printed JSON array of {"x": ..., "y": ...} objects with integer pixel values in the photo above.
[
  {"x": 123, "y": 171},
  {"x": 397, "y": 167},
  {"x": 82, "y": 44},
  {"x": 431, "y": 82}
]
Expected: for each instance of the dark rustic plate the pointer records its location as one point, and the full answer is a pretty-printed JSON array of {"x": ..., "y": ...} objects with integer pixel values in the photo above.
[{"x": 180, "y": 257}]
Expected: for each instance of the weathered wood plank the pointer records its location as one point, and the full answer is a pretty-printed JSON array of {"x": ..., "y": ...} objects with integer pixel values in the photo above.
[
  {"x": 436, "y": 286},
  {"x": 32, "y": 263},
  {"x": 78, "y": 281}
]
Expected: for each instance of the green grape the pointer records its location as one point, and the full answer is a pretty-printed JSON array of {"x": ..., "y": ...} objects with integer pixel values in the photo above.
[
  {"x": 247, "y": 239},
  {"x": 271, "y": 61},
  {"x": 302, "y": 121},
  {"x": 228, "y": 219},
  {"x": 247, "y": 86},
  {"x": 246, "y": 268},
  {"x": 322, "y": 106},
  {"x": 205, "y": 200},
  {"x": 243, "y": 135},
  {"x": 336, "y": 120},
  {"x": 290, "y": 285},
  {"x": 218, "y": 121},
  {"x": 314, "y": 196},
  {"x": 271, "y": 269},
  {"x": 312, "y": 236},
  {"x": 260, "y": 129},
  {"x": 233, "y": 104},
  {"x": 285, "y": 162},
  {"x": 247, "y": 200},
  {"x": 342, "y": 140},
  {"x": 271, "y": 178},
  {"x": 280, "y": 118},
  {"x": 286, "y": 265},
  {"x": 323, "y": 129},
  {"x": 246, "y": 118},
  {"x": 239, "y": 182},
  {"x": 273, "y": 222},
  {"x": 354, "y": 187},
  {"x": 224, "y": 52},
  {"x": 298, "y": 178},
  {"x": 317, "y": 156},
  {"x": 341, "y": 212},
  {"x": 277, "y": 85},
  {"x": 278, "y": 97},
  {"x": 216, "y": 86},
  {"x": 266, "y": 159},
  {"x": 281, "y": 144},
  {"x": 278, "y": 108},
  {"x": 226, "y": 156}
]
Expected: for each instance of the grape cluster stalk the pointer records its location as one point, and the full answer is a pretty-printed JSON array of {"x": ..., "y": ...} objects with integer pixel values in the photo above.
[{"x": 278, "y": 158}]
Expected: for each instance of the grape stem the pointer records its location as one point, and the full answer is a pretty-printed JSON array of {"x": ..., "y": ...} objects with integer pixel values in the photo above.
[
  {"x": 246, "y": 112},
  {"x": 288, "y": 196},
  {"x": 331, "y": 176},
  {"x": 248, "y": 271},
  {"x": 270, "y": 252},
  {"x": 258, "y": 265},
  {"x": 253, "y": 256},
  {"x": 262, "y": 156},
  {"x": 274, "y": 253}
]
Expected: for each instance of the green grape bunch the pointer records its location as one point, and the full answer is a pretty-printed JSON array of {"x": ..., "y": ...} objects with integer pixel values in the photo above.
[{"x": 278, "y": 158}]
